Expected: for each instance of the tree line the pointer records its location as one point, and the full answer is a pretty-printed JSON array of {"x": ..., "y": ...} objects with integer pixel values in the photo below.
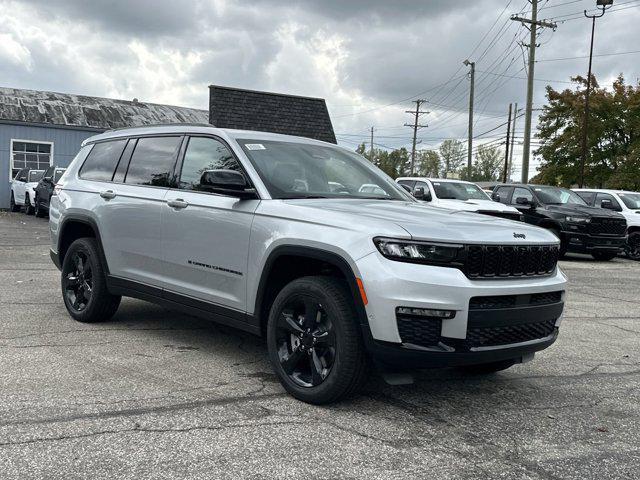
[
  {"x": 613, "y": 146},
  {"x": 449, "y": 160}
]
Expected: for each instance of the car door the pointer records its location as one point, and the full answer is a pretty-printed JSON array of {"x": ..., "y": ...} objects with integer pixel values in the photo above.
[
  {"x": 205, "y": 235},
  {"x": 130, "y": 178},
  {"x": 19, "y": 186},
  {"x": 529, "y": 211},
  {"x": 43, "y": 192}
]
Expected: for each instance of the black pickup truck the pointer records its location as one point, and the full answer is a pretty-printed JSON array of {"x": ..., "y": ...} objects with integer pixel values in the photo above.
[{"x": 581, "y": 228}]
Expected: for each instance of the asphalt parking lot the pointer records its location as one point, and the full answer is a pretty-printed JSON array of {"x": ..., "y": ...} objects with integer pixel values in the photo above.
[{"x": 157, "y": 394}]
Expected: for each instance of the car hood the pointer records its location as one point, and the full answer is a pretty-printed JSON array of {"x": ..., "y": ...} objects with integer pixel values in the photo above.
[
  {"x": 475, "y": 205},
  {"x": 583, "y": 210},
  {"x": 418, "y": 220}
]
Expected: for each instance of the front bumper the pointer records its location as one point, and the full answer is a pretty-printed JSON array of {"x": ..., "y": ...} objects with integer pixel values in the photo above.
[
  {"x": 577, "y": 242},
  {"x": 390, "y": 285}
]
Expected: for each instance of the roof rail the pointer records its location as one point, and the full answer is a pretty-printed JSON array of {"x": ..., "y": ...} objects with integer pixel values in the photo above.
[{"x": 174, "y": 124}]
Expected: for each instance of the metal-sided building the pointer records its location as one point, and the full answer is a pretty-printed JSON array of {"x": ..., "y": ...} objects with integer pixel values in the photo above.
[{"x": 38, "y": 129}]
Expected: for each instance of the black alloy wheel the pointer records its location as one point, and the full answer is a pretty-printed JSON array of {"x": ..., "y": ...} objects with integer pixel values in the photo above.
[
  {"x": 314, "y": 340},
  {"x": 78, "y": 283},
  {"x": 632, "y": 248},
  {"x": 306, "y": 341}
]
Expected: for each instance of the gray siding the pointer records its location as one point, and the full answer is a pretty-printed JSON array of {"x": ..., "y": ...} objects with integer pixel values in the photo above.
[{"x": 66, "y": 143}]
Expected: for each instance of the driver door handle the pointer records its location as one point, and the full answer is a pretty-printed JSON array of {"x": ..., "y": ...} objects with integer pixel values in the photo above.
[
  {"x": 178, "y": 203},
  {"x": 108, "y": 194}
]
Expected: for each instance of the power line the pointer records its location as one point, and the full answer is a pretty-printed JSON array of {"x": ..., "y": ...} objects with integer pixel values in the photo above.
[{"x": 587, "y": 56}]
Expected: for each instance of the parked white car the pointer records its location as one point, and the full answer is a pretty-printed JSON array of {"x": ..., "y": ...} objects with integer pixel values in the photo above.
[
  {"x": 457, "y": 195},
  {"x": 23, "y": 190},
  {"x": 627, "y": 204}
]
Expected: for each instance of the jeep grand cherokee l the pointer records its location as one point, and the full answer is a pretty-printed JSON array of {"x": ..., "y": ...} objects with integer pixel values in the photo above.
[
  {"x": 248, "y": 229},
  {"x": 581, "y": 228}
]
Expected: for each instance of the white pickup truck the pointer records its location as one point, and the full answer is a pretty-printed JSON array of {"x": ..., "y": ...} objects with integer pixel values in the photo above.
[
  {"x": 23, "y": 190},
  {"x": 457, "y": 195}
]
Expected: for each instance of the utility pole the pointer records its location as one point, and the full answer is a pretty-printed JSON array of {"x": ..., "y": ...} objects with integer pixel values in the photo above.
[
  {"x": 533, "y": 23},
  {"x": 371, "y": 151},
  {"x": 506, "y": 153},
  {"x": 472, "y": 76},
  {"x": 513, "y": 138},
  {"x": 603, "y": 4},
  {"x": 416, "y": 126}
]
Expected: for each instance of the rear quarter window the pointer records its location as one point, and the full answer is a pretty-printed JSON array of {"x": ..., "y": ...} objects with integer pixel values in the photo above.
[{"x": 102, "y": 161}]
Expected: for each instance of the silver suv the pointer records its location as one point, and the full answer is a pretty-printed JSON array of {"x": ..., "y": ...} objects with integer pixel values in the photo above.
[{"x": 276, "y": 235}]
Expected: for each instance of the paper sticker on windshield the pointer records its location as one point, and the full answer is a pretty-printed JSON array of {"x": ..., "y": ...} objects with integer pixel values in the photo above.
[{"x": 254, "y": 146}]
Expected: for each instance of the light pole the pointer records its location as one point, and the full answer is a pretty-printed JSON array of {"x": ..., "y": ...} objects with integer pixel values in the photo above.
[
  {"x": 472, "y": 75},
  {"x": 603, "y": 5}
]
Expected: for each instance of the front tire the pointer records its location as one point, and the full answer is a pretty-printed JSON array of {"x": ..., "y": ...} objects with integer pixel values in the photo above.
[
  {"x": 633, "y": 246},
  {"x": 488, "y": 368},
  {"x": 84, "y": 285},
  {"x": 28, "y": 209},
  {"x": 315, "y": 346},
  {"x": 12, "y": 204},
  {"x": 39, "y": 211},
  {"x": 604, "y": 256}
]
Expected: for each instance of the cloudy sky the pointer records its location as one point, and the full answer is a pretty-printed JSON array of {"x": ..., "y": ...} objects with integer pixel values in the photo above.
[{"x": 369, "y": 59}]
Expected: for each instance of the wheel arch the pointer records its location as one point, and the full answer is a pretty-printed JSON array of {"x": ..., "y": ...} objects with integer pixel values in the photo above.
[
  {"x": 76, "y": 226},
  {"x": 273, "y": 278}
]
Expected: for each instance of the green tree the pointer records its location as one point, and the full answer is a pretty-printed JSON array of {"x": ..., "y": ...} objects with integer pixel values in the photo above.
[
  {"x": 613, "y": 158},
  {"x": 428, "y": 163},
  {"x": 489, "y": 163},
  {"x": 452, "y": 155}
]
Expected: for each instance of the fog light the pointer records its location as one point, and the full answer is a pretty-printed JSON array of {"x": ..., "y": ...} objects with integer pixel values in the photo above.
[{"x": 426, "y": 312}]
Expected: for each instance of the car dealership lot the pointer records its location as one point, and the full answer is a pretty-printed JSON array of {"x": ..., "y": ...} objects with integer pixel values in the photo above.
[{"x": 159, "y": 394}]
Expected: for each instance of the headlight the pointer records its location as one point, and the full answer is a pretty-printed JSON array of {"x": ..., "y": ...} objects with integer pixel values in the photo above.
[
  {"x": 577, "y": 219},
  {"x": 418, "y": 252}
]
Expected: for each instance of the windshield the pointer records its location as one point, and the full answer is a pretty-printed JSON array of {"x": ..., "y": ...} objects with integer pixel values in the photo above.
[
  {"x": 303, "y": 170},
  {"x": 57, "y": 175},
  {"x": 35, "y": 175},
  {"x": 458, "y": 191},
  {"x": 558, "y": 196},
  {"x": 631, "y": 200}
]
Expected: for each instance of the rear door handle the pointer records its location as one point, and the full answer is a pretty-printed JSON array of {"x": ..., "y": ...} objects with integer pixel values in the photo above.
[
  {"x": 178, "y": 203},
  {"x": 108, "y": 194}
]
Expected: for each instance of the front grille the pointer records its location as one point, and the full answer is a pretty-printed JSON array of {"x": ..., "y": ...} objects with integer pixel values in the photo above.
[
  {"x": 608, "y": 226},
  {"x": 490, "y": 261},
  {"x": 507, "y": 215},
  {"x": 419, "y": 330},
  {"x": 505, "y": 335},
  {"x": 512, "y": 301}
]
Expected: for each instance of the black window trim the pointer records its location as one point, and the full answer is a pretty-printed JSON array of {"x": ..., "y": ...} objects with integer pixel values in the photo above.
[
  {"x": 180, "y": 162},
  {"x": 129, "y": 138}
]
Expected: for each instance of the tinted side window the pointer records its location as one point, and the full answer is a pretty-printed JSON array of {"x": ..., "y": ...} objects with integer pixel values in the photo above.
[
  {"x": 21, "y": 176},
  {"x": 102, "y": 161},
  {"x": 204, "y": 154},
  {"x": 521, "y": 193},
  {"x": 48, "y": 172},
  {"x": 587, "y": 196},
  {"x": 408, "y": 183},
  {"x": 152, "y": 161},
  {"x": 606, "y": 196},
  {"x": 503, "y": 193}
]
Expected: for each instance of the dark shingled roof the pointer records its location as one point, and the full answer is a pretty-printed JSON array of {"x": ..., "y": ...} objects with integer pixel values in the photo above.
[
  {"x": 270, "y": 112},
  {"x": 93, "y": 113}
]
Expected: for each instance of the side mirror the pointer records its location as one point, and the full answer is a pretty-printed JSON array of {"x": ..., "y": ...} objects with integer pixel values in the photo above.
[
  {"x": 421, "y": 194},
  {"x": 524, "y": 202},
  {"x": 226, "y": 182},
  {"x": 608, "y": 204},
  {"x": 495, "y": 197}
]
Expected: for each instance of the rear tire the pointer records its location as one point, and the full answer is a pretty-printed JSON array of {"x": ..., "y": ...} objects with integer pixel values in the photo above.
[
  {"x": 604, "y": 256},
  {"x": 12, "y": 204},
  {"x": 488, "y": 368},
  {"x": 84, "y": 285},
  {"x": 322, "y": 309},
  {"x": 28, "y": 209}
]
